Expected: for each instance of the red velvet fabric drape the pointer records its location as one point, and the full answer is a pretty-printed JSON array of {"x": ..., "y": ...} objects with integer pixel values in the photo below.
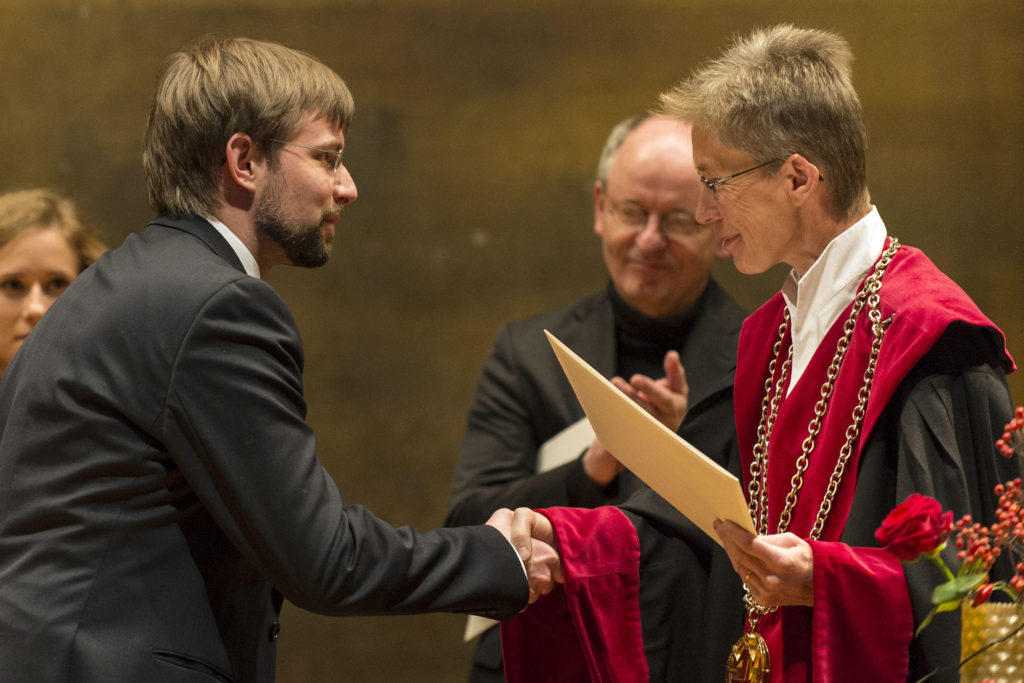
[{"x": 588, "y": 630}]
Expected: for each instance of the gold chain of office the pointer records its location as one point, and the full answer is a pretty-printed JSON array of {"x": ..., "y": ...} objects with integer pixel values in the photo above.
[
  {"x": 758, "y": 503},
  {"x": 748, "y": 660}
]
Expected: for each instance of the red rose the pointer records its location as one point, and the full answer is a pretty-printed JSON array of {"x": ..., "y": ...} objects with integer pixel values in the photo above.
[
  {"x": 915, "y": 526},
  {"x": 982, "y": 593}
]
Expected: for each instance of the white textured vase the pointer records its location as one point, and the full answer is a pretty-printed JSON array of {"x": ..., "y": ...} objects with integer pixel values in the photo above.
[{"x": 985, "y": 624}]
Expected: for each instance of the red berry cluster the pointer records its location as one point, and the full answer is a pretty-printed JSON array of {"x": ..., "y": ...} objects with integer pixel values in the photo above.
[
  {"x": 975, "y": 545},
  {"x": 1013, "y": 427},
  {"x": 980, "y": 545}
]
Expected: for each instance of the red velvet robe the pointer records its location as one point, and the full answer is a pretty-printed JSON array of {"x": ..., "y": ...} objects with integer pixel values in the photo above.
[
  {"x": 861, "y": 623},
  {"x": 841, "y": 636}
]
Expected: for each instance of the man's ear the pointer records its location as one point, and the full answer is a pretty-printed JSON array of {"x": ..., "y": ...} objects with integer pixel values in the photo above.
[
  {"x": 804, "y": 178},
  {"x": 242, "y": 155},
  {"x": 599, "y": 200}
]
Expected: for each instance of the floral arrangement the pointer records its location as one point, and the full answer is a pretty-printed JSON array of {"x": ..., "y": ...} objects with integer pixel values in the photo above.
[{"x": 919, "y": 528}]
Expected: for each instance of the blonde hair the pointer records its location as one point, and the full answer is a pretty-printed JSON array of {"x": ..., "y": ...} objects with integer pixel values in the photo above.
[
  {"x": 217, "y": 87},
  {"x": 779, "y": 91},
  {"x": 35, "y": 209}
]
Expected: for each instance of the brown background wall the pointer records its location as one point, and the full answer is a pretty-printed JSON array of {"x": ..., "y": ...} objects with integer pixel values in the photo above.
[{"x": 477, "y": 130}]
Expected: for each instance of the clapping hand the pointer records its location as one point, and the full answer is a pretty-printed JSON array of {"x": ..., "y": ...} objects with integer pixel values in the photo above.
[{"x": 666, "y": 399}]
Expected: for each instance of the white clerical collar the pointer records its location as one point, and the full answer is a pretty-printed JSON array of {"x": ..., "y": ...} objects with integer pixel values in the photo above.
[
  {"x": 243, "y": 253},
  {"x": 817, "y": 299}
]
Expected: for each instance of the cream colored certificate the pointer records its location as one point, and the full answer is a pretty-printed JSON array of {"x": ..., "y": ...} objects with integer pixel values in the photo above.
[{"x": 693, "y": 483}]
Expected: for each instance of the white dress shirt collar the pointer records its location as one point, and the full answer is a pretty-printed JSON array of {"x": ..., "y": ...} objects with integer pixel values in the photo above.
[
  {"x": 243, "y": 253},
  {"x": 817, "y": 299}
]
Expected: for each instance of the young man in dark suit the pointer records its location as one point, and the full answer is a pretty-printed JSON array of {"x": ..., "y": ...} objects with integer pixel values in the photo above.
[{"x": 160, "y": 492}]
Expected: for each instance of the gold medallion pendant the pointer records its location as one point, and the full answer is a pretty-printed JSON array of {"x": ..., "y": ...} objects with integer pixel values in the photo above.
[{"x": 748, "y": 660}]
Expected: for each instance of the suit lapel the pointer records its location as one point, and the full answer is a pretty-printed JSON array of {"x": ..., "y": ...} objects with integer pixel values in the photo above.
[{"x": 591, "y": 334}]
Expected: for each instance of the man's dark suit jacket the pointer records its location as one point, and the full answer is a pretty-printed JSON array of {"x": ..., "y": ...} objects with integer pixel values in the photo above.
[
  {"x": 160, "y": 489},
  {"x": 523, "y": 398}
]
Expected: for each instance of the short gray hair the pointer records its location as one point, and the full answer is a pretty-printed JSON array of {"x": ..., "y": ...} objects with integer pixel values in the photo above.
[
  {"x": 615, "y": 139},
  {"x": 779, "y": 91}
]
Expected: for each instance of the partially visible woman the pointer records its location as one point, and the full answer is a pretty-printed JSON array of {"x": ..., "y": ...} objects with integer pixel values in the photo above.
[{"x": 44, "y": 245}]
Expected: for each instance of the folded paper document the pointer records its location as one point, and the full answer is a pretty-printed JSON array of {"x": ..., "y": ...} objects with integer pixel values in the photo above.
[
  {"x": 693, "y": 483},
  {"x": 696, "y": 485}
]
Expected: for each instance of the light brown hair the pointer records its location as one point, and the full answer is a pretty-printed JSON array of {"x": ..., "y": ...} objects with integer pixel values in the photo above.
[
  {"x": 217, "y": 87},
  {"x": 25, "y": 210}
]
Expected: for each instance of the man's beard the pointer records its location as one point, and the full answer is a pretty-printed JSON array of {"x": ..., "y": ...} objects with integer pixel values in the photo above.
[{"x": 305, "y": 245}]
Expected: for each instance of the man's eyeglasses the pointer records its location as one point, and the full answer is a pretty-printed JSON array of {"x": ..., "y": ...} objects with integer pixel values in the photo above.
[
  {"x": 675, "y": 225},
  {"x": 330, "y": 158},
  {"x": 713, "y": 183}
]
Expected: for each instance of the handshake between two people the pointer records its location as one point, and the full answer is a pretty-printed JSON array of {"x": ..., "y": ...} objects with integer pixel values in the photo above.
[
  {"x": 533, "y": 538},
  {"x": 531, "y": 533}
]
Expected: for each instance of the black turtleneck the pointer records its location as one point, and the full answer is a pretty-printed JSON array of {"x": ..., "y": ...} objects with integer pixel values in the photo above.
[{"x": 641, "y": 342}]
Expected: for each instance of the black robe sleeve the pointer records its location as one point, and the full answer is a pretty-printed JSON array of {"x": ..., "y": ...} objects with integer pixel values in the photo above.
[{"x": 936, "y": 438}]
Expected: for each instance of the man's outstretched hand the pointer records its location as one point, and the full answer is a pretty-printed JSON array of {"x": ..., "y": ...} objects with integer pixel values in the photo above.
[{"x": 533, "y": 537}]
